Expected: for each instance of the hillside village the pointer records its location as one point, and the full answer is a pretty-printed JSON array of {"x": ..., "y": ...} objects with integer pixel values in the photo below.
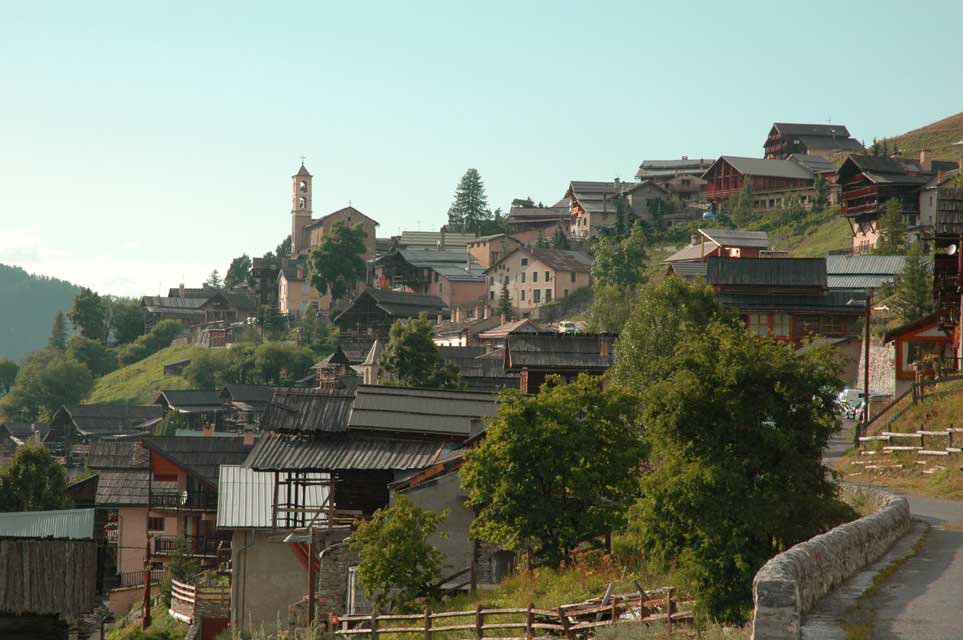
[{"x": 226, "y": 449}]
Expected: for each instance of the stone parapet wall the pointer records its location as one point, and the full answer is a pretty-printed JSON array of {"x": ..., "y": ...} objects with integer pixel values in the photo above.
[{"x": 790, "y": 584}]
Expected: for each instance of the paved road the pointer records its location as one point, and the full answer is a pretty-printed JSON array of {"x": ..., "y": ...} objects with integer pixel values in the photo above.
[{"x": 923, "y": 599}]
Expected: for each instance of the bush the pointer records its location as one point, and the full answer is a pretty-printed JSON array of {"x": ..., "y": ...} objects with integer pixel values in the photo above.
[
  {"x": 92, "y": 353},
  {"x": 160, "y": 337}
]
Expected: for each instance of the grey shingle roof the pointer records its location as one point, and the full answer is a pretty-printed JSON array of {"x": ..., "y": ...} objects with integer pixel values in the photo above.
[
  {"x": 428, "y": 411},
  {"x": 556, "y": 259},
  {"x": 851, "y": 265},
  {"x": 308, "y": 410},
  {"x": 735, "y": 238},
  {"x": 127, "y": 488},
  {"x": 769, "y": 168},
  {"x": 105, "y": 420},
  {"x": 345, "y": 451},
  {"x": 200, "y": 456},
  {"x": 800, "y": 129},
  {"x": 117, "y": 455},
  {"x": 766, "y": 272},
  {"x": 66, "y": 524},
  {"x": 558, "y": 352}
]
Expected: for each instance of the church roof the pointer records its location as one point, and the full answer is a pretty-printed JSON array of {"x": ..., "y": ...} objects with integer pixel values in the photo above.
[{"x": 302, "y": 172}]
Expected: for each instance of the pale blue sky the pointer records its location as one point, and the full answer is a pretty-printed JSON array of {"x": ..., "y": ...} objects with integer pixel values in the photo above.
[{"x": 145, "y": 142}]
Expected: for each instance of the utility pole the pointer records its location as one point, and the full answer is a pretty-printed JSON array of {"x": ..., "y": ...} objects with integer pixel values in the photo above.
[
  {"x": 311, "y": 578},
  {"x": 866, "y": 336},
  {"x": 147, "y": 619}
]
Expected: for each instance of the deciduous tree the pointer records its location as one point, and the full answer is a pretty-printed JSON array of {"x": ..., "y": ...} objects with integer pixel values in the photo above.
[
  {"x": 396, "y": 561},
  {"x": 620, "y": 261},
  {"x": 557, "y": 468},
  {"x": 282, "y": 364},
  {"x": 892, "y": 230},
  {"x": 58, "y": 334},
  {"x": 160, "y": 337},
  {"x": 33, "y": 481},
  {"x": 47, "y": 380},
  {"x": 89, "y": 314},
  {"x": 239, "y": 272},
  {"x": 412, "y": 359},
  {"x": 337, "y": 264},
  {"x": 93, "y": 354},
  {"x": 128, "y": 321},
  {"x": 8, "y": 374}
]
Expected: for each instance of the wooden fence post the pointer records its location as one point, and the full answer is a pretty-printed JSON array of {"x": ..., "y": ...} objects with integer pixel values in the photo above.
[
  {"x": 374, "y": 623},
  {"x": 427, "y": 623},
  {"x": 529, "y": 621},
  {"x": 566, "y": 625},
  {"x": 615, "y": 610},
  {"x": 668, "y": 608},
  {"x": 478, "y": 622}
]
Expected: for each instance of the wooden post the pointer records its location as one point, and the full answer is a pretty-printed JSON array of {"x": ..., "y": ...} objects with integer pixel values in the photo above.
[
  {"x": 374, "y": 623},
  {"x": 473, "y": 573},
  {"x": 311, "y": 579},
  {"x": 427, "y": 623},
  {"x": 479, "y": 634},
  {"x": 566, "y": 625},
  {"x": 949, "y": 436},
  {"x": 529, "y": 621},
  {"x": 147, "y": 620},
  {"x": 668, "y": 608}
]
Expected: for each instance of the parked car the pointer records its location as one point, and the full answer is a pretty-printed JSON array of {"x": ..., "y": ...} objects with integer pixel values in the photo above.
[{"x": 567, "y": 326}]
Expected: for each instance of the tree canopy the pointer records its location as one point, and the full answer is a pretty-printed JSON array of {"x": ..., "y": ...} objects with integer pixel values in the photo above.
[
  {"x": 89, "y": 315},
  {"x": 33, "y": 481},
  {"x": 239, "y": 272},
  {"x": 396, "y": 562},
  {"x": 556, "y": 469},
  {"x": 412, "y": 359},
  {"x": 913, "y": 288},
  {"x": 58, "y": 333},
  {"x": 128, "y": 320},
  {"x": 469, "y": 210},
  {"x": 8, "y": 374},
  {"x": 160, "y": 337},
  {"x": 337, "y": 264},
  {"x": 93, "y": 354},
  {"x": 892, "y": 230},
  {"x": 47, "y": 380},
  {"x": 820, "y": 193},
  {"x": 504, "y": 308},
  {"x": 739, "y": 207},
  {"x": 620, "y": 261}
]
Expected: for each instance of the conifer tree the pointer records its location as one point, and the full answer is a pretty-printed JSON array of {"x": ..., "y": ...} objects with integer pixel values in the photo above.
[
  {"x": 913, "y": 288},
  {"x": 505, "y": 303},
  {"x": 469, "y": 211},
  {"x": 820, "y": 193},
  {"x": 58, "y": 334},
  {"x": 560, "y": 240},
  {"x": 214, "y": 280},
  {"x": 892, "y": 230}
]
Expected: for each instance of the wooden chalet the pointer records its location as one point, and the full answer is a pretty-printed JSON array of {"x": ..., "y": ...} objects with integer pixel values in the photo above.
[
  {"x": 374, "y": 311},
  {"x": 785, "y": 298},
  {"x": 948, "y": 266},
  {"x": 681, "y": 178},
  {"x": 200, "y": 306},
  {"x": 594, "y": 205},
  {"x": 922, "y": 344},
  {"x": 246, "y": 403},
  {"x": 528, "y": 224},
  {"x": 772, "y": 181},
  {"x": 868, "y": 183},
  {"x": 200, "y": 407},
  {"x": 788, "y": 138},
  {"x": 535, "y": 356}
]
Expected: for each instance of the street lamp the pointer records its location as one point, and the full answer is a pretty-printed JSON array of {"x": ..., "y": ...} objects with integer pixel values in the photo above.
[
  {"x": 868, "y": 302},
  {"x": 306, "y": 537}
]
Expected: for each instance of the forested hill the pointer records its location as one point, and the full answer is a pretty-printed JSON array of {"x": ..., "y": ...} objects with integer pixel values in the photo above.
[{"x": 28, "y": 304}]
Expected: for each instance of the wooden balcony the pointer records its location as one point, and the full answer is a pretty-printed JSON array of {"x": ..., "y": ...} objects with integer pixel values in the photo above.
[
  {"x": 196, "y": 546},
  {"x": 183, "y": 501}
]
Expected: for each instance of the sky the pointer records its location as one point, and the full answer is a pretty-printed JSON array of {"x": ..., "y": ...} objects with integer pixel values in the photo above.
[{"x": 145, "y": 144}]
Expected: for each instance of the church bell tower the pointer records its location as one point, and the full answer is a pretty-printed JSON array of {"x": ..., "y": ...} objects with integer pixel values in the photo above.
[{"x": 300, "y": 209}]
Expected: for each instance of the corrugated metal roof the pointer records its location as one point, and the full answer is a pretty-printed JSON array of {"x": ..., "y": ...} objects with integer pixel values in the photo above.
[
  {"x": 857, "y": 282},
  {"x": 67, "y": 524},
  {"x": 245, "y": 497},
  {"x": 864, "y": 265},
  {"x": 401, "y": 409},
  {"x": 736, "y": 238},
  {"x": 556, "y": 351},
  {"x": 689, "y": 269},
  {"x": 308, "y": 410},
  {"x": 767, "y": 272},
  {"x": 344, "y": 451}
]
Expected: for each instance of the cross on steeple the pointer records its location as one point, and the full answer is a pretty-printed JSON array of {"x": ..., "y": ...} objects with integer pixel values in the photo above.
[{"x": 302, "y": 159}]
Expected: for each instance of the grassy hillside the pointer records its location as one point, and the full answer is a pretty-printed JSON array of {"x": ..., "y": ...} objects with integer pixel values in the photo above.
[
  {"x": 29, "y": 305},
  {"x": 938, "y": 140},
  {"x": 139, "y": 383}
]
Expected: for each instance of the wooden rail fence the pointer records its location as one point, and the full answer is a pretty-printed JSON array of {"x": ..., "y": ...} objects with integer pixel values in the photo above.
[
  {"x": 188, "y": 600},
  {"x": 921, "y": 444},
  {"x": 522, "y": 624}
]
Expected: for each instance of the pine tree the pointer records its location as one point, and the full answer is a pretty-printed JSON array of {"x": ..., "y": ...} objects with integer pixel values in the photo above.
[
  {"x": 469, "y": 211},
  {"x": 214, "y": 280},
  {"x": 913, "y": 288},
  {"x": 820, "y": 193},
  {"x": 560, "y": 240},
  {"x": 504, "y": 304},
  {"x": 58, "y": 335},
  {"x": 740, "y": 205},
  {"x": 892, "y": 230}
]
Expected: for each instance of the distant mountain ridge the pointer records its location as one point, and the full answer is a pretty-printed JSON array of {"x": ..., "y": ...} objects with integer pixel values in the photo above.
[{"x": 28, "y": 304}]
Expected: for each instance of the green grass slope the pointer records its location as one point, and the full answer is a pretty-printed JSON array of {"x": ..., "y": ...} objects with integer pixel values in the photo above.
[
  {"x": 139, "y": 383},
  {"x": 938, "y": 140}
]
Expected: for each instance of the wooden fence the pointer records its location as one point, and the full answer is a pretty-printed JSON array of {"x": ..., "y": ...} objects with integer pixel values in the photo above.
[
  {"x": 925, "y": 447},
  {"x": 189, "y": 600},
  {"x": 523, "y": 624}
]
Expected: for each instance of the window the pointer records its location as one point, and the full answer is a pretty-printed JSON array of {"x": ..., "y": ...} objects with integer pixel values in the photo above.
[
  {"x": 776, "y": 325},
  {"x": 758, "y": 324},
  {"x": 534, "y": 276},
  {"x": 548, "y": 276},
  {"x": 781, "y": 325},
  {"x": 155, "y": 524},
  {"x": 573, "y": 276},
  {"x": 491, "y": 295},
  {"x": 548, "y": 295},
  {"x": 565, "y": 293},
  {"x": 301, "y": 203},
  {"x": 303, "y": 186},
  {"x": 523, "y": 294},
  {"x": 506, "y": 280},
  {"x": 524, "y": 262},
  {"x": 537, "y": 296}
]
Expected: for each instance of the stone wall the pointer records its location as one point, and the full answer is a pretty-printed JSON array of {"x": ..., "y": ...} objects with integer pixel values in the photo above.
[
  {"x": 790, "y": 584},
  {"x": 882, "y": 368}
]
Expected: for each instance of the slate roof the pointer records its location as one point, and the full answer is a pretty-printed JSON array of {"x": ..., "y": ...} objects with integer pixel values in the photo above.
[
  {"x": 537, "y": 214},
  {"x": 22, "y": 431},
  {"x": 302, "y": 173},
  {"x": 800, "y": 129},
  {"x": 692, "y": 252},
  {"x": 762, "y": 167},
  {"x": 400, "y": 304},
  {"x": 249, "y": 393},
  {"x": 883, "y": 170},
  {"x": 736, "y": 238},
  {"x": 345, "y": 451},
  {"x": 424, "y": 257},
  {"x": 65, "y": 524},
  {"x": 597, "y": 197},
  {"x": 689, "y": 270},
  {"x": 117, "y": 455},
  {"x": 308, "y": 410},
  {"x": 691, "y": 166},
  {"x": 829, "y": 143},
  {"x": 558, "y": 352},
  {"x": 815, "y": 164},
  {"x": 767, "y": 272},
  {"x": 458, "y": 273},
  {"x": 433, "y": 238},
  {"x": 555, "y": 259},
  {"x": 191, "y": 400},
  {"x": 245, "y": 497},
  {"x": 106, "y": 420},
  {"x": 503, "y": 330},
  {"x": 127, "y": 488},
  {"x": 200, "y": 456},
  {"x": 425, "y": 411}
]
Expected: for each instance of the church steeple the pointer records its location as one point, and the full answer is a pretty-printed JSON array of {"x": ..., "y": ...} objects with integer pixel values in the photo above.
[{"x": 300, "y": 208}]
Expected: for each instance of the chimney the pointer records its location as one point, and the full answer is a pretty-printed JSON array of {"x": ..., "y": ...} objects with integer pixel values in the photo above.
[
  {"x": 248, "y": 438},
  {"x": 180, "y": 290},
  {"x": 208, "y": 430},
  {"x": 603, "y": 346},
  {"x": 441, "y": 243},
  {"x": 925, "y": 163}
]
